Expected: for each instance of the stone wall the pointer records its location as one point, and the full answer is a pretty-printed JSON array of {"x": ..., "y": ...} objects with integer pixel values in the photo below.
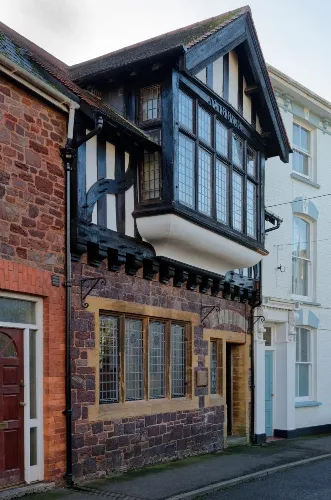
[{"x": 115, "y": 444}]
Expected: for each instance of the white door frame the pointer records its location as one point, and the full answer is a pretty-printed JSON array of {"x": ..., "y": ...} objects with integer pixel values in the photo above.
[
  {"x": 35, "y": 472},
  {"x": 271, "y": 347}
]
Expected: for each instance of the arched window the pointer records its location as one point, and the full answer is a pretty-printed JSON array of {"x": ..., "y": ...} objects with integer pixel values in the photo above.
[
  {"x": 7, "y": 347},
  {"x": 301, "y": 257}
]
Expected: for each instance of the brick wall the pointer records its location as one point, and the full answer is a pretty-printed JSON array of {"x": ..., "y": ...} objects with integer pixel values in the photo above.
[
  {"x": 32, "y": 238},
  {"x": 127, "y": 443}
]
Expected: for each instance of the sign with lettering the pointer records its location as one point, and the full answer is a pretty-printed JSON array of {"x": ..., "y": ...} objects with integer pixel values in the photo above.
[
  {"x": 226, "y": 113},
  {"x": 228, "y": 317}
]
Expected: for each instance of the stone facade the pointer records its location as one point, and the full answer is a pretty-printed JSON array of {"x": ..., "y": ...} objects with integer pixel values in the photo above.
[
  {"x": 111, "y": 443},
  {"x": 32, "y": 239}
]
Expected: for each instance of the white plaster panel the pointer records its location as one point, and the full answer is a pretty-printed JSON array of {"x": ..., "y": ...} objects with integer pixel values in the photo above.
[
  {"x": 218, "y": 76},
  {"x": 247, "y": 105},
  {"x": 129, "y": 208},
  {"x": 111, "y": 198},
  {"x": 202, "y": 75},
  {"x": 91, "y": 169},
  {"x": 233, "y": 79}
]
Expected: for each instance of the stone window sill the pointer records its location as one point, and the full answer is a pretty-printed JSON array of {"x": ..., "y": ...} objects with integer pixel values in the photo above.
[
  {"x": 300, "y": 178},
  {"x": 304, "y": 404}
]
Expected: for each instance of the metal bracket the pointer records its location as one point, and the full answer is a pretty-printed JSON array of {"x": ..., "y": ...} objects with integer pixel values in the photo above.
[
  {"x": 255, "y": 320},
  {"x": 92, "y": 283},
  {"x": 211, "y": 309}
]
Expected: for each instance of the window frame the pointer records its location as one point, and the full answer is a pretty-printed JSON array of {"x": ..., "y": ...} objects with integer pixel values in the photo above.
[
  {"x": 122, "y": 316},
  {"x": 151, "y": 121},
  {"x": 227, "y": 161},
  {"x": 308, "y": 260},
  {"x": 220, "y": 346},
  {"x": 302, "y": 151},
  {"x": 309, "y": 397}
]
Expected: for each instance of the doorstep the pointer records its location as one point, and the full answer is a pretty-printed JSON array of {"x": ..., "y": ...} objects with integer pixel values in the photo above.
[
  {"x": 26, "y": 489},
  {"x": 232, "y": 441}
]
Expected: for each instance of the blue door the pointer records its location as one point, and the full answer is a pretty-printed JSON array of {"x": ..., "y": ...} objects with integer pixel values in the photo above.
[{"x": 269, "y": 370}]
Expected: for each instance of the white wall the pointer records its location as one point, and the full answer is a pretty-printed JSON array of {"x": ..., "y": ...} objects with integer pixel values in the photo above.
[
  {"x": 281, "y": 189},
  {"x": 218, "y": 76},
  {"x": 233, "y": 79}
]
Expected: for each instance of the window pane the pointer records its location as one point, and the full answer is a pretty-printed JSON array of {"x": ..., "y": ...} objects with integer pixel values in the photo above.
[
  {"x": 17, "y": 311},
  {"x": 251, "y": 162},
  {"x": 156, "y": 359},
  {"x": 150, "y": 103},
  {"x": 221, "y": 192},
  {"x": 296, "y": 135},
  {"x": 304, "y": 345},
  {"x": 177, "y": 361},
  {"x": 251, "y": 209},
  {"x": 301, "y": 238},
  {"x": 237, "y": 151},
  {"x": 133, "y": 359},
  {"x": 109, "y": 360},
  {"x": 33, "y": 446},
  {"x": 186, "y": 171},
  {"x": 303, "y": 380},
  {"x": 204, "y": 188},
  {"x": 305, "y": 139},
  {"x": 221, "y": 139},
  {"x": 300, "y": 274},
  {"x": 204, "y": 125},
  {"x": 7, "y": 347},
  {"x": 267, "y": 336},
  {"x": 185, "y": 111},
  {"x": 213, "y": 367},
  {"x": 297, "y": 331},
  {"x": 33, "y": 374},
  {"x": 237, "y": 192},
  {"x": 151, "y": 176},
  {"x": 300, "y": 162}
]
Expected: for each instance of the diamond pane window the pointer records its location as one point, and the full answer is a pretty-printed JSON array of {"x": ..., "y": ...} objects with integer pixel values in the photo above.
[
  {"x": 186, "y": 171},
  {"x": 221, "y": 192},
  {"x": 204, "y": 125},
  {"x": 185, "y": 110},
  {"x": 204, "y": 188},
  {"x": 133, "y": 360},
  {"x": 237, "y": 151},
  {"x": 177, "y": 361},
  {"x": 221, "y": 139},
  {"x": 251, "y": 209},
  {"x": 156, "y": 359},
  {"x": 109, "y": 359},
  {"x": 150, "y": 103},
  {"x": 237, "y": 200}
]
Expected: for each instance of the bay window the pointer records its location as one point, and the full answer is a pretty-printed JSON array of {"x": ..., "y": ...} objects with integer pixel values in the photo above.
[
  {"x": 141, "y": 358},
  {"x": 217, "y": 171},
  {"x": 301, "y": 252}
]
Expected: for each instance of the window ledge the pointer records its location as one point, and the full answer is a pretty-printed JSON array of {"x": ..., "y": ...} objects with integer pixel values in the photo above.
[
  {"x": 303, "y": 404},
  {"x": 300, "y": 178},
  {"x": 305, "y": 302}
]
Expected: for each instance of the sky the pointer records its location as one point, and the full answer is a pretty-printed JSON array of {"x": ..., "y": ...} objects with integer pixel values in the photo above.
[{"x": 295, "y": 35}]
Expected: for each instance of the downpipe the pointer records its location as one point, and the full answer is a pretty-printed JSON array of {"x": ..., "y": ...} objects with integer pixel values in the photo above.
[
  {"x": 68, "y": 154},
  {"x": 258, "y": 304}
]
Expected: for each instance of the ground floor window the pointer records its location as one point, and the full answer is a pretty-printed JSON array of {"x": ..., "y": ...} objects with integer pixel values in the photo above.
[
  {"x": 141, "y": 358},
  {"x": 216, "y": 372},
  {"x": 303, "y": 363}
]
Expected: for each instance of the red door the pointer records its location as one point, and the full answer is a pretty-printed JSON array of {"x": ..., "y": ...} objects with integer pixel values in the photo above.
[{"x": 11, "y": 407}]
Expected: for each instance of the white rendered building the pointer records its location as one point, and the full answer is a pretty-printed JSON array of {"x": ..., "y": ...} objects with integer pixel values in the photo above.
[{"x": 292, "y": 354}]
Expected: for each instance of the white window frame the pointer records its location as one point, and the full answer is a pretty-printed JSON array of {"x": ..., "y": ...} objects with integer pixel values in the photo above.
[
  {"x": 308, "y": 153},
  {"x": 310, "y": 261},
  {"x": 272, "y": 346},
  {"x": 36, "y": 472},
  {"x": 310, "y": 363}
]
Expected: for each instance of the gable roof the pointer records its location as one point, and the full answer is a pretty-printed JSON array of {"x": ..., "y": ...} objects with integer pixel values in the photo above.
[
  {"x": 178, "y": 40},
  {"x": 32, "y": 57}
]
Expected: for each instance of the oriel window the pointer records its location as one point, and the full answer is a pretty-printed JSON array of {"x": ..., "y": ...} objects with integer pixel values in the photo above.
[{"x": 150, "y": 104}]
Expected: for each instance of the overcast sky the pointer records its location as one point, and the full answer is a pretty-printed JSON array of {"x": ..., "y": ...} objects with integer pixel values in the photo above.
[{"x": 295, "y": 34}]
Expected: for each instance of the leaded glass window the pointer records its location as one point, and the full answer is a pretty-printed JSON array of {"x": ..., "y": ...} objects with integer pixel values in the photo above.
[
  {"x": 133, "y": 359},
  {"x": 185, "y": 110},
  {"x": 221, "y": 138},
  {"x": 150, "y": 103},
  {"x": 204, "y": 125},
  {"x": 177, "y": 361},
  {"x": 156, "y": 359},
  {"x": 221, "y": 192},
  {"x": 251, "y": 162},
  {"x": 204, "y": 190},
  {"x": 213, "y": 367},
  {"x": 109, "y": 359},
  {"x": 186, "y": 170},
  {"x": 237, "y": 151},
  {"x": 133, "y": 355},
  {"x": 251, "y": 209},
  {"x": 237, "y": 196},
  {"x": 151, "y": 176}
]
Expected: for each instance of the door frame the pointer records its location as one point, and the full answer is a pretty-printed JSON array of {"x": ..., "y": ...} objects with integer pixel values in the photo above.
[
  {"x": 36, "y": 472},
  {"x": 272, "y": 348}
]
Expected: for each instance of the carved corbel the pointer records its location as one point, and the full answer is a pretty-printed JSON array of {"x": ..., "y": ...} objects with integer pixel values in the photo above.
[{"x": 180, "y": 278}]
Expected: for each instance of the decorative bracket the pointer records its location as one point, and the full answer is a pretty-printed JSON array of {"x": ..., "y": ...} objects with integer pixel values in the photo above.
[
  {"x": 256, "y": 318},
  {"x": 210, "y": 310},
  {"x": 91, "y": 284}
]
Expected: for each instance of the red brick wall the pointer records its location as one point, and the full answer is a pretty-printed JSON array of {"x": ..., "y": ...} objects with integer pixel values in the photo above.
[{"x": 32, "y": 237}]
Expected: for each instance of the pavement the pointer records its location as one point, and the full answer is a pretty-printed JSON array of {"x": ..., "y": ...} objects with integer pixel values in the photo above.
[{"x": 197, "y": 476}]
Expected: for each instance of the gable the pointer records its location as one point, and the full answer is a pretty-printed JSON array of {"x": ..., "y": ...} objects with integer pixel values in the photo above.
[{"x": 246, "y": 67}]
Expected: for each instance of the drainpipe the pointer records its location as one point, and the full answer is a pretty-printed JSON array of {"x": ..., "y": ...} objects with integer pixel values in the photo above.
[{"x": 68, "y": 153}]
